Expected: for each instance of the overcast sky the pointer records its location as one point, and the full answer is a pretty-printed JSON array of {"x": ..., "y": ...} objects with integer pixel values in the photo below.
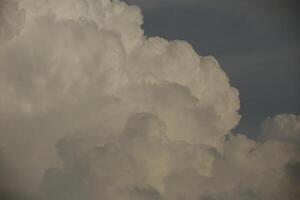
[{"x": 256, "y": 43}]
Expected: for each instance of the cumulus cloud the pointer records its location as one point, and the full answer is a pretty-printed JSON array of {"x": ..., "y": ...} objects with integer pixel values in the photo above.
[
  {"x": 285, "y": 127},
  {"x": 11, "y": 19},
  {"x": 91, "y": 108}
]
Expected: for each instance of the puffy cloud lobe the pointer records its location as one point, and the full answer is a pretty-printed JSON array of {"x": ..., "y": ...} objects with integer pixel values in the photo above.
[
  {"x": 132, "y": 166},
  {"x": 143, "y": 163},
  {"x": 91, "y": 108},
  {"x": 285, "y": 127}
]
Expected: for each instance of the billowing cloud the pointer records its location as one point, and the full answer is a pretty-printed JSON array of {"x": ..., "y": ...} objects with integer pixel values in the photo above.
[
  {"x": 285, "y": 127},
  {"x": 91, "y": 108},
  {"x": 11, "y": 19}
]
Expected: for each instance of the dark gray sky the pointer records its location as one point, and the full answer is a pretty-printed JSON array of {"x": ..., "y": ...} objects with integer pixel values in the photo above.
[{"x": 256, "y": 43}]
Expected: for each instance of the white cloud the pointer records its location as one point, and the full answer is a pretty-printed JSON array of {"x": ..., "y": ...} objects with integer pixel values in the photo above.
[
  {"x": 285, "y": 127},
  {"x": 91, "y": 108}
]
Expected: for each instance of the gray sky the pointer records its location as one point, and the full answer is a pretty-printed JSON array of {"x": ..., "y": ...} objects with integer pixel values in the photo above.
[{"x": 256, "y": 43}]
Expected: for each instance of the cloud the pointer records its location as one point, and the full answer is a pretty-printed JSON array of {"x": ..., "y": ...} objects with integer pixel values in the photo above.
[
  {"x": 92, "y": 108},
  {"x": 285, "y": 127},
  {"x": 11, "y": 19}
]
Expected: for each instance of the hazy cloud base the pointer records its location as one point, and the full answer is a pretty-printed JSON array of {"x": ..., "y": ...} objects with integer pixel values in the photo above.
[{"x": 91, "y": 108}]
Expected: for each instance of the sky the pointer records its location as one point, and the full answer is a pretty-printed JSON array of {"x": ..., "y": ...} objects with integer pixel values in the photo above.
[
  {"x": 255, "y": 42},
  {"x": 163, "y": 100}
]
